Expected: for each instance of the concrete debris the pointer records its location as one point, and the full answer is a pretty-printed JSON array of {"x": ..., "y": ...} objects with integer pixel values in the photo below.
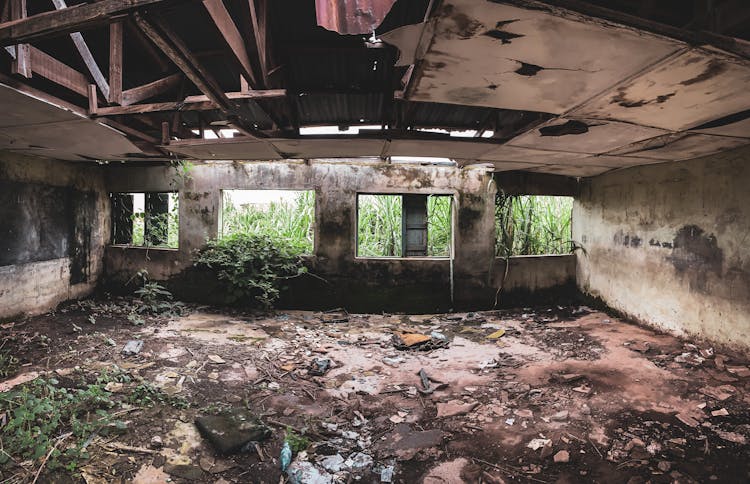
[
  {"x": 305, "y": 472},
  {"x": 722, "y": 412},
  {"x": 454, "y": 408},
  {"x": 641, "y": 347},
  {"x": 687, "y": 420},
  {"x": 156, "y": 442},
  {"x": 393, "y": 361},
  {"x": 731, "y": 437},
  {"x": 536, "y": 444},
  {"x": 132, "y": 347},
  {"x": 690, "y": 359},
  {"x": 719, "y": 393},
  {"x": 231, "y": 432},
  {"x": 740, "y": 371},
  {"x": 358, "y": 461}
]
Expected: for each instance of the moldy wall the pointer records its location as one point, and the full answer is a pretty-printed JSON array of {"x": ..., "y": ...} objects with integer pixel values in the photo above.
[
  {"x": 667, "y": 244},
  {"x": 53, "y": 221},
  {"x": 400, "y": 284}
]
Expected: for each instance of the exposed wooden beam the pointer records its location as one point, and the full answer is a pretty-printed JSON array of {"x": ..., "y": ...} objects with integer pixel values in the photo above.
[
  {"x": 159, "y": 86},
  {"x": 258, "y": 21},
  {"x": 50, "y": 68},
  {"x": 178, "y": 53},
  {"x": 93, "y": 102},
  {"x": 115, "y": 63},
  {"x": 21, "y": 63},
  {"x": 88, "y": 58},
  {"x": 232, "y": 37},
  {"x": 190, "y": 103},
  {"x": 71, "y": 19}
]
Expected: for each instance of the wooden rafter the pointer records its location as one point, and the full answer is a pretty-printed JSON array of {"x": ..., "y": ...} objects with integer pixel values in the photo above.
[
  {"x": 190, "y": 103},
  {"x": 159, "y": 86},
  {"x": 258, "y": 21},
  {"x": 52, "y": 69},
  {"x": 85, "y": 52},
  {"x": 232, "y": 37},
  {"x": 178, "y": 53},
  {"x": 71, "y": 19}
]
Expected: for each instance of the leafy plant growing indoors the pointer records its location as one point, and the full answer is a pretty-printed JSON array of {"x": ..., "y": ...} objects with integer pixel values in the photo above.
[{"x": 251, "y": 267}]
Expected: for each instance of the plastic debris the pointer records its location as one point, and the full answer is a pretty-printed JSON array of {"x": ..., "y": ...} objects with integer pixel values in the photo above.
[
  {"x": 286, "y": 456},
  {"x": 132, "y": 347},
  {"x": 497, "y": 334},
  {"x": 319, "y": 367}
]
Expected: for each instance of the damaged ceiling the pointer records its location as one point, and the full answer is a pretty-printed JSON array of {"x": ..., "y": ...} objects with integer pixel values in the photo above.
[{"x": 562, "y": 87}]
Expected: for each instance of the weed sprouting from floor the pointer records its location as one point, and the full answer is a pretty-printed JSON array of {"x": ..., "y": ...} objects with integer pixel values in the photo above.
[
  {"x": 46, "y": 420},
  {"x": 253, "y": 268},
  {"x": 297, "y": 442},
  {"x": 153, "y": 299},
  {"x": 147, "y": 395}
]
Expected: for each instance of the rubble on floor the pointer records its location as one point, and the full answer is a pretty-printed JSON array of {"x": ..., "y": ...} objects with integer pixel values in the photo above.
[{"x": 562, "y": 394}]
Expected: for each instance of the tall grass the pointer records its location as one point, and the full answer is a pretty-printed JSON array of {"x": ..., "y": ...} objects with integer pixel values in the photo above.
[
  {"x": 379, "y": 226},
  {"x": 532, "y": 225},
  {"x": 439, "y": 226},
  {"x": 168, "y": 223},
  {"x": 291, "y": 220}
]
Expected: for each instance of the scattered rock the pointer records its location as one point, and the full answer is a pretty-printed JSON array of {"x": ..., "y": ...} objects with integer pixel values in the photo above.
[
  {"x": 304, "y": 472},
  {"x": 217, "y": 359},
  {"x": 156, "y": 442},
  {"x": 562, "y": 457},
  {"x": 664, "y": 466},
  {"x": 719, "y": 393},
  {"x": 536, "y": 444},
  {"x": 722, "y": 412},
  {"x": 732, "y": 437},
  {"x": 358, "y": 461}
]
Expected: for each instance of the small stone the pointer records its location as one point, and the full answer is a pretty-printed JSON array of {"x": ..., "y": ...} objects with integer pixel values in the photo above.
[
  {"x": 273, "y": 386},
  {"x": 720, "y": 413},
  {"x": 394, "y": 362},
  {"x": 562, "y": 457},
  {"x": 114, "y": 387},
  {"x": 562, "y": 415},
  {"x": 664, "y": 466},
  {"x": 524, "y": 413},
  {"x": 687, "y": 420},
  {"x": 217, "y": 359},
  {"x": 156, "y": 442}
]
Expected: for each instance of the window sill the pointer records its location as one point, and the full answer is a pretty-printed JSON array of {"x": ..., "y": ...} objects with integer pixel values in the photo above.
[
  {"x": 432, "y": 258},
  {"x": 143, "y": 247}
]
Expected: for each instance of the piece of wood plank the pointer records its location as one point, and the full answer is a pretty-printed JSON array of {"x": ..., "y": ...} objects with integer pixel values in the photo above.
[
  {"x": 71, "y": 19},
  {"x": 190, "y": 103},
  {"x": 165, "y": 133},
  {"x": 115, "y": 63},
  {"x": 93, "y": 102},
  {"x": 21, "y": 63},
  {"x": 258, "y": 22},
  {"x": 159, "y": 86},
  {"x": 88, "y": 58},
  {"x": 228, "y": 29},
  {"x": 52, "y": 69},
  {"x": 177, "y": 52}
]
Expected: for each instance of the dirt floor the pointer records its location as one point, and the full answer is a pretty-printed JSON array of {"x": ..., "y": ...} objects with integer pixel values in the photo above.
[{"x": 562, "y": 394}]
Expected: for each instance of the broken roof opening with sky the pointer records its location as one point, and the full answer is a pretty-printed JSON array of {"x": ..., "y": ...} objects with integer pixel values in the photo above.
[{"x": 562, "y": 86}]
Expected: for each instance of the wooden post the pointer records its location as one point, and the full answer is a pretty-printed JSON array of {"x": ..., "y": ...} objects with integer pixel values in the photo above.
[
  {"x": 165, "y": 133},
  {"x": 115, "y": 63},
  {"x": 93, "y": 103},
  {"x": 22, "y": 63}
]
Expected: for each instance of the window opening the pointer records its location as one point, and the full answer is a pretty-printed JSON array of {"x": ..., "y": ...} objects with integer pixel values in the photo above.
[
  {"x": 410, "y": 225},
  {"x": 288, "y": 214},
  {"x": 145, "y": 219},
  {"x": 532, "y": 225}
]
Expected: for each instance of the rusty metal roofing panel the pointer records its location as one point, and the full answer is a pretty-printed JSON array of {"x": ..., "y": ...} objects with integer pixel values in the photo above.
[{"x": 352, "y": 16}]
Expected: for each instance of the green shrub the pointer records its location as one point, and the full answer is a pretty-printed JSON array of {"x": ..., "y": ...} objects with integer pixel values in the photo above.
[{"x": 252, "y": 268}]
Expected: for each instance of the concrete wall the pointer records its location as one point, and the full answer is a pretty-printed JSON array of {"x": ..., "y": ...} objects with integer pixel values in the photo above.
[
  {"x": 53, "y": 227},
  {"x": 405, "y": 284},
  {"x": 668, "y": 244}
]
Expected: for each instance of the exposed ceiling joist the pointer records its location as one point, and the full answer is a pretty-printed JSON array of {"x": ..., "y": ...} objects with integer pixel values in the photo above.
[
  {"x": 71, "y": 19},
  {"x": 190, "y": 103},
  {"x": 151, "y": 89},
  {"x": 232, "y": 37}
]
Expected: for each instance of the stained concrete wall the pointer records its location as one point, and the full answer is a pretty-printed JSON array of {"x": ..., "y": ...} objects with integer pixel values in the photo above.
[
  {"x": 667, "y": 244},
  {"x": 406, "y": 284},
  {"x": 53, "y": 227}
]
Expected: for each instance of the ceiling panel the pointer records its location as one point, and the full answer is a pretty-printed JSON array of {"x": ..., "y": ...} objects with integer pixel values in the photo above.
[
  {"x": 226, "y": 149},
  {"x": 491, "y": 54},
  {"x": 681, "y": 147},
  {"x": 698, "y": 86}
]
